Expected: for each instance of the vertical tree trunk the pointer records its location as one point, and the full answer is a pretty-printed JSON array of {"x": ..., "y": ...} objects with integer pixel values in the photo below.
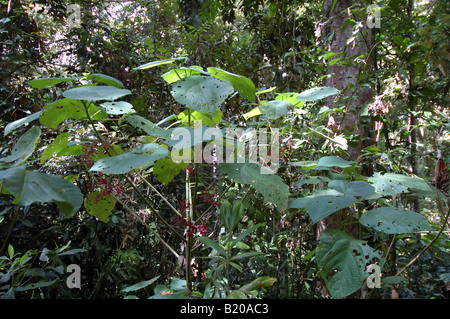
[
  {"x": 349, "y": 76},
  {"x": 339, "y": 36}
]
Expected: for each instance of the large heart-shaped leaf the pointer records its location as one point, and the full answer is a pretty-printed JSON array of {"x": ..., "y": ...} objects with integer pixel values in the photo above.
[
  {"x": 240, "y": 83},
  {"x": 95, "y": 93},
  {"x": 321, "y": 206},
  {"x": 392, "y": 220},
  {"x": 385, "y": 185},
  {"x": 356, "y": 188},
  {"x": 56, "y": 112},
  {"x": 271, "y": 186},
  {"x": 202, "y": 93},
  {"x": 342, "y": 260},
  {"x": 30, "y": 187},
  {"x": 142, "y": 156},
  {"x": 274, "y": 109}
]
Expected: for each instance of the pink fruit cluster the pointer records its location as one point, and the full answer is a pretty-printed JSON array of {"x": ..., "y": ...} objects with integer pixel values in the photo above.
[
  {"x": 88, "y": 151},
  {"x": 107, "y": 188},
  {"x": 191, "y": 228}
]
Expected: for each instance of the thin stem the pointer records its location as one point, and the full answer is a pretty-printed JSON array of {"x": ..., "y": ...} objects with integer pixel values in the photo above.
[
  {"x": 13, "y": 222},
  {"x": 211, "y": 206},
  {"x": 189, "y": 217},
  {"x": 160, "y": 195},
  {"x": 148, "y": 203},
  {"x": 149, "y": 228}
]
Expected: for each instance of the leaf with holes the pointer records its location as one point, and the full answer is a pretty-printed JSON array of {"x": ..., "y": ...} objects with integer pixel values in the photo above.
[
  {"x": 95, "y": 93},
  {"x": 165, "y": 169},
  {"x": 274, "y": 109},
  {"x": 342, "y": 260},
  {"x": 355, "y": 188},
  {"x": 117, "y": 108},
  {"x": 271, "y": 186},
  {"x": 57, "y": 112},
  {"x": 387, "y": 186},
  {"x": 321, "y": 206},
  {"x": 394, "y": 221},
  {"x": 140, "y": 157},
  {"x": 414, "y": 183},
  {"x": 202, "y": 93},
  {"x": 100, "y": 206}
]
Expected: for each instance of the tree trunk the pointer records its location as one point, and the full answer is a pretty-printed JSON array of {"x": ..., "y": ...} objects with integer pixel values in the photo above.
[
  {"x": 349, "y": 76},
  {"x": 354, "y": 41}
]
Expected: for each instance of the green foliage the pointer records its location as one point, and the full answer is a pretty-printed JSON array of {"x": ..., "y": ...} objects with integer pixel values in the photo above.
[
  {"x": 24, "y": 147},
  {"x": 271, "y": 186},
  {"x": 342, "y": 260},
  {"x": 102, "y": 152},
  {"x": 322, "y": 206},
  {"x": 99, "y": 205},
  {"x": 141, "y": 156},
  {"x": 30, "y": 187},
  {"x": 202, "y": 94},
  {"x": 95, "y": 93},
  {"x": 21, "y": 275},
  {"x": 394, "y": 221}
]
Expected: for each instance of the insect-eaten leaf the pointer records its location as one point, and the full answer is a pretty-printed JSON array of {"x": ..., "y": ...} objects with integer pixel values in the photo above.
[
  {"x": 99, "y": 205},
  {"x": 342, "y": 260},
  {"x": 202, "y": 93},
  {"x": 117, "y": 108},
  {"x": 95, "y": 93},
  {"x": 392, "y": 220}
]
